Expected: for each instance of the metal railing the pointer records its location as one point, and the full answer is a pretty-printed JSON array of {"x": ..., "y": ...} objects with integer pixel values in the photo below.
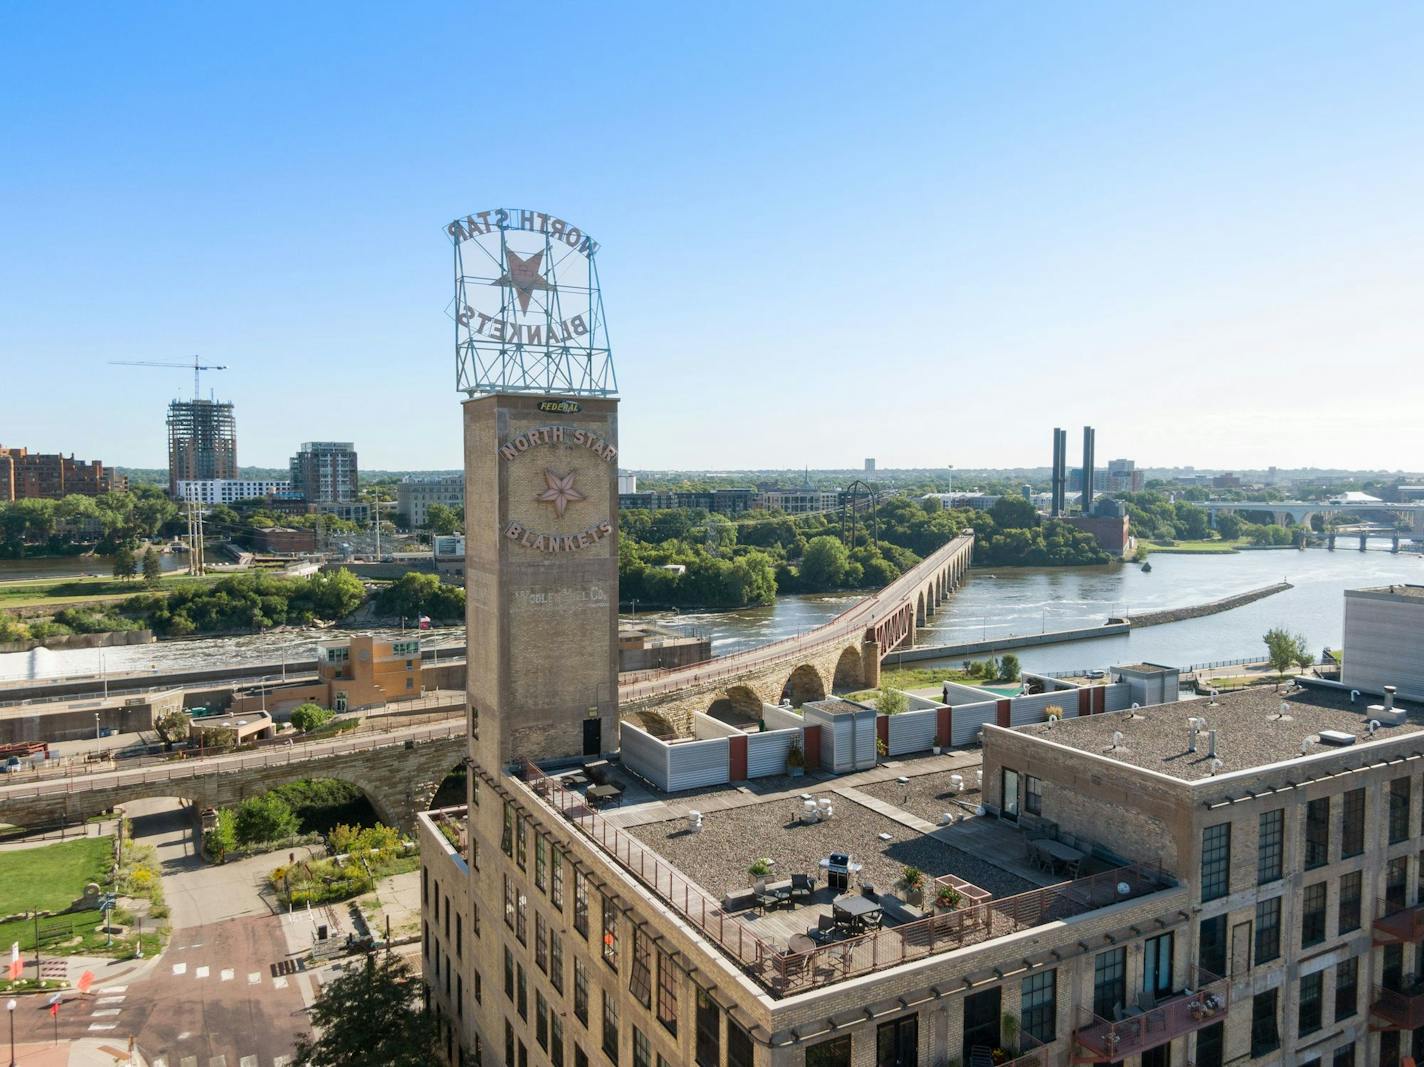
[
  {"x": 857, "y": 618},
  {"x": 786, "y": 972},
  {"x": 198, "y": 768},
  {"x": 1206, "y": 1000},
  {"x": 1401, "y": 1009},
  {"x": 1399, "y": 919}
]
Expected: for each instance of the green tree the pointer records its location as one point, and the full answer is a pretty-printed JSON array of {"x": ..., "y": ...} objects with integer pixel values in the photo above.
[
  {"x": 443, "y": 519},
  {"x": 1229, "y": 526},
  {"x": 1284, "y": 649},
  {"x": 891, "y": 701},
  {"x": 262, "y": 818},
  {"x": 222, "y": 838},
  {"x": 369, "y": 1015},
  {"x": 172, "y": 727},
  {"x": 125, "y": 566},
  {"x": 1009, "y": 668},
  {"x": 152, "y": 568},
  {"x": 825, "y": 564},
  {"x": 309, "y": 716},
  {"x": 1014, "y": 513}
]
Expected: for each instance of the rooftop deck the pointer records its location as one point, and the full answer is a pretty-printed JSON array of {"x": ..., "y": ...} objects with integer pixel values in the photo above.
[
  {"x": 980, "y": 858},
  {"x": 1255, "y": 728}
]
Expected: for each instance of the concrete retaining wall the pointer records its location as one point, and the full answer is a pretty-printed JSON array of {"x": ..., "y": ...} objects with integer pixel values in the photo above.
[
  {"x": 1003, "y": 644},
  {"x": 1196, "y": 611}
]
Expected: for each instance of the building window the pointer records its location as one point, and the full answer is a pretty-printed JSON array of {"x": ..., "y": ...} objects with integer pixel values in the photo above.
[
  {"x": 556, "y": 1039},
  {"x": 1396, "y": 878},
  {"x": 610, "y": 1026},
  {"x": 667, "y": 993},
  {"x": 1308, "y": 1015},
  {"x": 1268, "y": 930},
  {"x": 1349, "y": 912},
  {"x": 1211, "y": 1045},
  {"x": 508, "y": 1042},
  {"x": 1109, "y": 982},
  {"x": 640, "y": 977},
  {"x": 1344, "y": 1056},
  {"x": 509, "y": 975},
  {"x": 739, "y": 1046},
  {"x": 1039, "y": 1005},
  {"x": 580, "y": 991},
  {"x": 1033, "y": 795},
  {"x": 521, "y": 838},
  {"x": 523, "y": 993},
  {"x": 610, "y": 933},
  {"x": 556, "y": 961},
  {"x": 1269, "y": 841},
  {"x": 1265, "y": 1034},
  {"x": 508, "y": 902},
  {"x": 1312, "y": 915},
  {"x": 834, "y": 1052},
  {"x": 897, "y": 1043},
  {"x": 541, "y": 1020},
  {"x": 1317, "y": 833},
  {"x": 709, "y": 1031},
  {"x": 642, "y": 1051},
  {"x": 1398, "y": 809},
  {"x": 506, "y": 837},
  {"x": 541, "y": 944},
  {"x": 1211, "y": 942},
  {"x": 556, "y": 878},
  {"x": 1352, "y": 833},
  {"x": 1216, "y": 861},
  {"x": 459, "y": 937},
  {"x": 1347, "y": 988},
  {"x": 541, "y": 863},
  {"x": 580, "y": 903}
]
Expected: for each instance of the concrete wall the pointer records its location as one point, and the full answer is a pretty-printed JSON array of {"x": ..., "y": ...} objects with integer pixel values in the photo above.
[
  {"x": 1384, "y": 642},
  {"x": 779, "y": 718},
  {"x": 1003, "y": 644},
  {"x": 74, "y": 720},
  {"x": 704, "y": 726}
]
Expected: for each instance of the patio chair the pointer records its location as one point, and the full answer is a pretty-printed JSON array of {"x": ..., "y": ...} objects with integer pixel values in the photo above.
[
  {"x": 802, "y": 885},
  {"x": 981, "y": 1056},
  {"x": 873, "y": 920},
  {"x": 1146, "y": 1001},
  {"x": 868, "y": 891},
  {"x": 825, "y": 924}
]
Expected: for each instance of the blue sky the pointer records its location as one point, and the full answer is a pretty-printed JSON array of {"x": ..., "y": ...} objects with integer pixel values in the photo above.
[{"x": 925, "y": 233}]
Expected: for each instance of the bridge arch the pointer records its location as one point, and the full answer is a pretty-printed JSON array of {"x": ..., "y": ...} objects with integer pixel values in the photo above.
[
  {"x": 850, "y": 670},
  {"x": 804, "y": 684},
  {"x": 920, "y": 617}
]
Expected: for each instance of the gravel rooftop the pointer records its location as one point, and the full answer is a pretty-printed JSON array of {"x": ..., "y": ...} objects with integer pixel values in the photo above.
[
  {"x": 928, "y": 795},
  {"x": 1250, "y": 732},
  {"x": 717, "y": 859}
]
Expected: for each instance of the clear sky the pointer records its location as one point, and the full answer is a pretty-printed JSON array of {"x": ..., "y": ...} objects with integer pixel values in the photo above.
[{"x": 925, "y": 233}]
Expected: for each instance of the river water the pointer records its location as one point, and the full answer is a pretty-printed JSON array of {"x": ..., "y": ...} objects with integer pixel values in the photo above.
[{"x": 994, "y": 603}]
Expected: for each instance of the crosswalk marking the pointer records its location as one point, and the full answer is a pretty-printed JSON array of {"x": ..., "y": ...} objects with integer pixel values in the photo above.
[
  {"x": 102, "y": 1026},
  {"x": 110, "y": 1000},
  {"x": 281, "y": 1061},
  {"x": 254, "y": 978},
  {"x": 102, "y": 1012},
  {"x": 247, "y": 1061},
  {"x": 218, "y": 1061},
  {"x": 180, "y": 968},
  {"x": 113, "y": 989},
  {"x": 279, "y": 983},
  {"x": 188, "y": 1061},
  {"x": 160, "y": 1062},
  {"x": 226, "y": 975},
  {"x": 201, "y": 972}
]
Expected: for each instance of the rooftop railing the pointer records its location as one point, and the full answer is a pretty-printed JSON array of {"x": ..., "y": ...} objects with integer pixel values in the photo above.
[
  {"x": 1205, "y": 1000},
  {"x": 1399, "y": 1009},
  {"x": 980, "y": 919}
]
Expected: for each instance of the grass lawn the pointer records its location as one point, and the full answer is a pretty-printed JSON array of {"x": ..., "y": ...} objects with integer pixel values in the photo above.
[
  {"x": 77, "y": 933},
  {"x": 51, "y": 877},
  {"x": 65, "y": 592},
  {"x": 1214, "y": 546}
]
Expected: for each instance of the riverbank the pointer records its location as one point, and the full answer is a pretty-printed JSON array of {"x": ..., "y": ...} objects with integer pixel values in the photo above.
[{"x": 108, "y": 639}]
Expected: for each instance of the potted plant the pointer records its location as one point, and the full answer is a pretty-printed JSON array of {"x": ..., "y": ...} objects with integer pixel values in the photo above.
[
  {"x": 881, "y": 748},
  {"x": 795, "y": 760},
  {"x": 914, "y": 881},
  {"x": 1009, "y": 1024},
  {"x": 947, "y": 898},
  {"x": 760, "y": 868}
]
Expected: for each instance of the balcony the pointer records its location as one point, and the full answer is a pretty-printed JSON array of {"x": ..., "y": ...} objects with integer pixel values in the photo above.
[
  {"x": 1397, "y": 922},
  {"x": 1398, "y": 1009},
  {"x": 1205, "y": 1001}
]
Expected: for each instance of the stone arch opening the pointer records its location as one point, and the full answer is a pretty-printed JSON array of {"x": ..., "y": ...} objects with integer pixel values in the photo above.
[
  {"x": 850, "y": 672},
  {"x": 657, "y": 724},
  {"x": 920, "y": 617},
  {"x": 803, "y": 685}
]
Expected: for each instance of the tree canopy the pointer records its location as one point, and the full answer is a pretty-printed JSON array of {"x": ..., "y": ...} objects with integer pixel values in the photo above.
[{"x": 371, "y": 1014}]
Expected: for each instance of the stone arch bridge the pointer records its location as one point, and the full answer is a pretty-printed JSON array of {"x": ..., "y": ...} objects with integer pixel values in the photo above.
[
  {"x": 842, "y": 654},
  {"x": 398, "y": 772}
]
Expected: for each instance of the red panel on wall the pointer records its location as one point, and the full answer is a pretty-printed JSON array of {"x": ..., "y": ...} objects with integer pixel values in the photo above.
[
  {"x": 1085, "y": 702},
  {"x": 945, "y": 728},
  {"x": 811, "y": 738},
  {"x": 1003, "y": 712},
  {"x": 737, "y": 757},
  {"x": 1100, "y": 700},
  {"x": 882, "y": 728}
]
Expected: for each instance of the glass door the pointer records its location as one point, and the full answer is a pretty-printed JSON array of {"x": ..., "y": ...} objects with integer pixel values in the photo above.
[
  {"x": 1157, "y": 965},
  {"x": 1010, "y": 794},
  {"x": 981, "y": 1022}
]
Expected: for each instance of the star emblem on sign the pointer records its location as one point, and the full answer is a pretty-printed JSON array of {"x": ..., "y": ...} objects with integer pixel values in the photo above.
[
  {"x": 523, "y": 276},
  {"x": 560, "y": 492}
]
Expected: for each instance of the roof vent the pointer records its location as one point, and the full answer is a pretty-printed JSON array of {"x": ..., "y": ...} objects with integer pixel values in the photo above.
[
  {"x": 1339, "y": 738},
  {"x": 1387, "y": 714}
]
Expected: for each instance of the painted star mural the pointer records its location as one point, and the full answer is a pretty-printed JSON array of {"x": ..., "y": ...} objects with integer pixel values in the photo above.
[
  {"x": 560, "y": 492},
  {"x": 523, "y": 276}
]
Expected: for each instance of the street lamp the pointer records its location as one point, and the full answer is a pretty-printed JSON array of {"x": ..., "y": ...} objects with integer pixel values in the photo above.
[
  {"x": 96, "y": 726},
  {"x": 11, "y": 1006}
]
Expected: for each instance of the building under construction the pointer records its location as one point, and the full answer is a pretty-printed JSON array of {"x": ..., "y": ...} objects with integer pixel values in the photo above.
[{"x": 202, "y": 441}]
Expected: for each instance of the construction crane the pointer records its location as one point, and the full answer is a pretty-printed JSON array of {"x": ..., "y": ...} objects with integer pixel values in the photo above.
[{"x": 182, "y": 366}]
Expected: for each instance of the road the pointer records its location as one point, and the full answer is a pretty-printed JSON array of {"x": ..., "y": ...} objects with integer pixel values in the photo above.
[{"x": 216, "y": 997}]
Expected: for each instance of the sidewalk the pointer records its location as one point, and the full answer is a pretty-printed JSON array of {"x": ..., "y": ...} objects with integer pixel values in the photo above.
[{"x": 86, "y": 1052}]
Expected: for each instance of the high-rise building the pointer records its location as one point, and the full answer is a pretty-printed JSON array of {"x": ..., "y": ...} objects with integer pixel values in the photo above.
[
  {"x": 325, "y": 472},
  {"x": 870, "y": 465},
  {"x": 1089, "y": 436},
  {"x": 202, "y": 442},
  {"x": 415, "y": 494},
  {"x": 27, "y": 475},
  {"x": 1123, "y": 476}
]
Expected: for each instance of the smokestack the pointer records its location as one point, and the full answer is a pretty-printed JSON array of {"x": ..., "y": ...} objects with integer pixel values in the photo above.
[
  {"x": 1089, "y": 437},
  {"x": 1060, "y": 471}
]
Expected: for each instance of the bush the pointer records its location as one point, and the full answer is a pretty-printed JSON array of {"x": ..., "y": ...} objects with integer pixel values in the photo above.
[
  {"x": 309, "y": 716},
  {"x": 1009, "y": 668},
  {"x": 891, "y": 701}
]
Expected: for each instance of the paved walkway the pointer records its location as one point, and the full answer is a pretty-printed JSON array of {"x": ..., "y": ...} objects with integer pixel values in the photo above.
[
  {"x": 81, "y": 1053},
  {"x": 890, "y": 811}
]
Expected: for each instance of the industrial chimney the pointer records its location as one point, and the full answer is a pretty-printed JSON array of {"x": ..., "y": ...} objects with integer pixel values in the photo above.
[{"x": 1089, "y": 436}]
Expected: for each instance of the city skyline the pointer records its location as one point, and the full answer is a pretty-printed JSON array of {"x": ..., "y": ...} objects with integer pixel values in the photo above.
[{"x": 1203, "y": 214}]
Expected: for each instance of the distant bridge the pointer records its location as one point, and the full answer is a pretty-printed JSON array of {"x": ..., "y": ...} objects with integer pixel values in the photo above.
[{"x": 1409, "y": 517}]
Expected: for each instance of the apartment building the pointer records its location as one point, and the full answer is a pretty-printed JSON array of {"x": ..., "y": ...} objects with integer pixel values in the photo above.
[
  {"x": 325, "y": 471},
  {"x": 415, "y": 494},
  {"x": 26, "y": 475}
]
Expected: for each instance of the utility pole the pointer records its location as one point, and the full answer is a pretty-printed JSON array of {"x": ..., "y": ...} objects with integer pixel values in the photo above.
[{"x": 377, "y": 506}]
